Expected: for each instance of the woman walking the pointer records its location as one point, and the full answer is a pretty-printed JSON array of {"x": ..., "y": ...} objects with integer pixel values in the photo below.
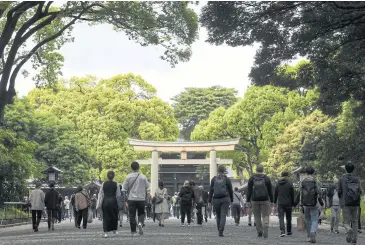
[
  {"x": 107, "y": 200},
  {"x": 162, "y": 207},
  {"x": 186, "y": 196},
  {"x": 82, "y": 204}
]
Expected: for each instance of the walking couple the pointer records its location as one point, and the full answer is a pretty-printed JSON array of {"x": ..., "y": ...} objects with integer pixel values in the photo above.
[{"x": 136, "y": 185}]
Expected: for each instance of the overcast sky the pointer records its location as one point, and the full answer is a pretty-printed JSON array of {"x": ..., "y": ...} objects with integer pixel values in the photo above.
[{"x": 100, "y": 51}]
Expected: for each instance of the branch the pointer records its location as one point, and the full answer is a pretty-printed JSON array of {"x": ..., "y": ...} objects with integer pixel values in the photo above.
[
  {"x": 39, "y": 58},
  {"x": 47, "y": 7},
  {"x": 347, "y": 7},
  {"x": 39, "y": 26},
  {"x": 35, "y": 48}
]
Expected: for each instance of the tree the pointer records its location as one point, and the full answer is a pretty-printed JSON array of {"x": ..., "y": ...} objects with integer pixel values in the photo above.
[
  {"x": 171, "y": 25},
  {"x": 195, "y": 104},
  {"x": 249, "y": 119},
  {"x": 311, "y": 140},
  {"x": 105, "y": 112},
  {"x": 330, "y": 34}
]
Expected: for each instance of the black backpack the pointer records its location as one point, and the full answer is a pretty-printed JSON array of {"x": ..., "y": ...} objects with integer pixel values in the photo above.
[
  {"x": 353, "y": 191},
  {"x": 259, "y": 190},
  {"x": 309, "y": 193},
  {"x": 187, "y": 196},
  {"x": 220, "y": 187}
]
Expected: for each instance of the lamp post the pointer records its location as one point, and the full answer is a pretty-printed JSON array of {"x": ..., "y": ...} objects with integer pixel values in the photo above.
[{"x": 175, "y": 184}]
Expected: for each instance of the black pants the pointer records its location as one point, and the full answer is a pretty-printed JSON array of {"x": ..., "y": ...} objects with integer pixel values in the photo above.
[
  {"x": 134, "y": 207},
  {"x": 59, "y": 215},
  {"x": 287, "y": 211},
  {"x": 149, "y": 211},
  {"x": 75, "y": 216},
  {"x": 36, "y": 218},
  {"x": 199, "y": 207},
  {"x": 185, "y": 211},
  {"x": 236, "y": 212},
  {"x": 52, "y": 215},
  {"x": 176, "y": 211},
  {"x": 221, "y": 208},
  {"x": 82, "y": 215}
]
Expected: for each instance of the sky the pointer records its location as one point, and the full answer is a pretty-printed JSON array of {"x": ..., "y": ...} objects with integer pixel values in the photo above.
[{"x": 103, "y": 52}]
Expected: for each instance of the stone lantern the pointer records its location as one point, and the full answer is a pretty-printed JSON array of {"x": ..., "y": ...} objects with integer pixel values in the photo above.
[{"x": 52, "y": 174}]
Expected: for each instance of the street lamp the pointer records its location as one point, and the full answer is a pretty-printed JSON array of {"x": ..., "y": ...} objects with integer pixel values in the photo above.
[{"x": 175, "y": 185}]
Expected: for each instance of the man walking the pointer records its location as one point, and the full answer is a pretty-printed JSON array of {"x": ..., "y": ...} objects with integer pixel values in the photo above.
[
  {"x": 260, "y": 195},
  {"x": 52, "y": 204},
  {"x": 310, "y": 198},
  {"x": 350, "y": 190},
  {"x": 136, "y": 185},
  {"x": 36, "y": 200},
  {"x": 236, "y": 205},
  {"x": 334, "y": 204},
  {"x": 284, "y": 198},
  {"x": 221, "y": 194},
  {"x": 205, "y": 203},
  {"x": 198, "y": 202}
]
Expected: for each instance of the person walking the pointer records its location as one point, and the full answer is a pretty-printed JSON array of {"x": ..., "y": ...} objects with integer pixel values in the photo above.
[
  {"x": 82, "y": 204},
  {"x": 136, "y": 185},
  {"x": 350, "y": 190},
  {"x": 73, "y": 207},
  {"x": 205, "y": 203},
  {"x": 335, "y": 204},
  {"x": 198, "y": 202},
  {"x": 149, "y": 205},
  {"x": 51, "y": 201},
  {"x": 60, "y": 208},
  {"x": 259, "y": 196},
  {"x": 94, "y": 201},
  {"x": 66, "y": 204},
  {"x": 236, "y": 206},
  {"x": 107, "y": 202},
  {"x": 36, "y": 199},
  {"x": 221, "y": 194},
  {"x": 161, "y": 208},
  {"x": 122, "y": 200},
  {"x": 186, "y": 195},
  {"x": 310, "y": 199},
  {"x": 284, "y": 198}
]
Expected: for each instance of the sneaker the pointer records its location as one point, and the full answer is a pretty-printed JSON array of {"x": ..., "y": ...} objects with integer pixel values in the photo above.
[
  {"x": 115, "y": 232},
  {"x": 106, "y": 235},
  {"x": 236, "y": 224},
  {"x": 259, "y": 234},
  {"x": 265, "y": 234},
  {"x": 189, "y": 225},
  {"x": 308, "y": 239},
  {"x": 140, "y": 228},
  {"x": 120, "y": 225},
  {"x": 282, "y": 234},
  {"x": 249, "y": 224},
  {"x": 221, "y": 234},
  {"x": 134, "y": 234},
  {"x": 182, "y": 225},
  {"x": 337, "y": 232},
  {"x": 313, "y": 237},
  {"x": 36, "y": 229},
  {"x": 289, "y": 234},
  {"x": 359, "y": 231},
  {"x": 331, "y": 230},
  {"x": 350, "y": 234}
]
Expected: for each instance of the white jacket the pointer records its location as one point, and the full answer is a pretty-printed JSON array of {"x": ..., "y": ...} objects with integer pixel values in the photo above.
[{"x": 37, "y": 199}]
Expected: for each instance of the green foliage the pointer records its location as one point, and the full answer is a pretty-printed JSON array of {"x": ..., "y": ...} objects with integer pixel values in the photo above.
[
  {"x": 257, "y": 119},
  {"x": 195, "y": 104},
  {"x": 104, "y": 113},
  {"x": 311, "y": 140},
  {"x": 330, "y": 34}
]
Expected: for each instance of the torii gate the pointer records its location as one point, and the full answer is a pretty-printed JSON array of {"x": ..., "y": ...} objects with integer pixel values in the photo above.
[{"x": 183, "y": 148}]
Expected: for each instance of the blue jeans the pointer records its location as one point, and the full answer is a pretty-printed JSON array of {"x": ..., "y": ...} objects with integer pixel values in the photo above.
[{"x": 311, "y": 219}]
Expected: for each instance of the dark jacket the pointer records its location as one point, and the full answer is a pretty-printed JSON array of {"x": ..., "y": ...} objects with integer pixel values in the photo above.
[
  {"x": 268, "y": 187},
  {"x": 197, "y": 194},
  {"x": 205, "y": 197},
  {"x": 284, "y": 193},
  {"x": 229, "y": 189},
  {"x": 52, "y": 201},
  {"x": 342, "y": 189},
  {"x": 330, "y": 194},
  {"x": 186, "y": 195}
]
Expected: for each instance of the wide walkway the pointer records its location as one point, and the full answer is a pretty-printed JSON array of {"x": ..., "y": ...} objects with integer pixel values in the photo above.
[{"x": 171, "y": 234}]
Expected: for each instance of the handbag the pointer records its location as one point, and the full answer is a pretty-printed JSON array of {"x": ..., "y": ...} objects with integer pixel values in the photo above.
[
  {"x": 158, "y": 199},
  {"x": 323, "y": 215}
]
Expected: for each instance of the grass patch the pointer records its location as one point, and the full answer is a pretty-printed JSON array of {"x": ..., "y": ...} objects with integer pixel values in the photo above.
[{"x": 12, "y": 213}]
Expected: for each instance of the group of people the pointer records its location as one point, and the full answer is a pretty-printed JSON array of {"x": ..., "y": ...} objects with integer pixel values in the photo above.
[
  {"x": 134, "y": 196},
  {"x": 345, "y": 195},
  {"x": 57, "y": 208}
]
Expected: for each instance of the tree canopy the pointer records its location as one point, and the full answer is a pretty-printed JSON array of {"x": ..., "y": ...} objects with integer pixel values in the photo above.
[
  {"x": 330, "y": 34},
  {"x": 195, "y": 104},
  {"x": 37, "y": 30},
  {"x": 105, "y": 112}
]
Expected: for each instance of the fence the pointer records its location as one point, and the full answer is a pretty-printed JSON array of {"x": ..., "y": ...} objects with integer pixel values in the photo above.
[{"x": 14, "y": 212}]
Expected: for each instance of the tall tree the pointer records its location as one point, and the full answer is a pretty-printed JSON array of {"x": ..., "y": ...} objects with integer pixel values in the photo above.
[
  {"x": 171, "y": 25},
  {"x": 195, "y": 104},
  {"x": 330, "y": 34},
  {"x": 105, "y": 112}
]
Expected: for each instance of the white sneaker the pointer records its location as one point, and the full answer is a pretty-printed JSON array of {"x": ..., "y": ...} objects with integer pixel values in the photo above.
[
  {"x": 106, "y": 235},
  {"x": 140, "y": 228}
]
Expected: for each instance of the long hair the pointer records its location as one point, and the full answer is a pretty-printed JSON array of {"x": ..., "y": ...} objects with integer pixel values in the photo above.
[{"x": 160, "y": 184}]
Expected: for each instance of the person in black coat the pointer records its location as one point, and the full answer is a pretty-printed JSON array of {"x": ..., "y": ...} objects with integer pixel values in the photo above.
[
  {"x": 284, "y": 198},
  {"x": 186, "y": 201},
  {"x": 52, "y": 204}
]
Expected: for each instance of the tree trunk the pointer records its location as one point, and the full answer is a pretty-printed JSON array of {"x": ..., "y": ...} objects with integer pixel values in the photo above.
[{"x": 2, "y": 111}]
